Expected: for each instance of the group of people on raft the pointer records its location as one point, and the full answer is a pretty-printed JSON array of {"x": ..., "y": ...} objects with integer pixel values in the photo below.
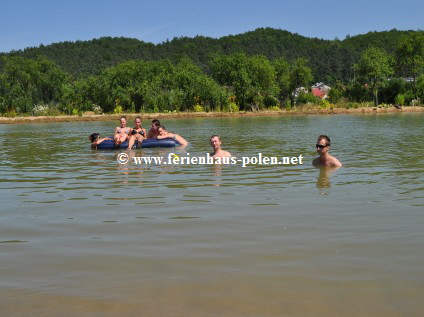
[
  {"x": 136, "y": 135},
  {"x": 157, "y": 131}
]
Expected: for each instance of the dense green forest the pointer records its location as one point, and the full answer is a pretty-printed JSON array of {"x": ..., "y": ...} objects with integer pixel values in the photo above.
[
  {"x": 329, "y": 60},
  {"x": 254, "y": 70}
]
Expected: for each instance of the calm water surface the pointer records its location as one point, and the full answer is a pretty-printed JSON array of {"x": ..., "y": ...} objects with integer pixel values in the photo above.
[{"x": 84, "y": 236}]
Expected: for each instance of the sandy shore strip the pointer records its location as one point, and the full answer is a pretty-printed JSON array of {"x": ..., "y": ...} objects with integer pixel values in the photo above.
[{"x": 147, "y": 116}]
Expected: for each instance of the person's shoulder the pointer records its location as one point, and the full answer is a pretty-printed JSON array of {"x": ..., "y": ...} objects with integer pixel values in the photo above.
[
  {"x": 227, "y": 154},
  {"x": 221, "y": 153},
  {"x": 335, "y": 162}
]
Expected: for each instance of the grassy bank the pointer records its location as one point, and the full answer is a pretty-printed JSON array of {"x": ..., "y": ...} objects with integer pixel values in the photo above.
[{"x": 305, "y": 110}]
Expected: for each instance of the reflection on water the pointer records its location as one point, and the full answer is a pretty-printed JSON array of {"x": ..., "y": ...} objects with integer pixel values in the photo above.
[
  {"x": 217, "y": 174},
  {"x": 82, "y": 235},
  {"x": 323, "y": 179}
]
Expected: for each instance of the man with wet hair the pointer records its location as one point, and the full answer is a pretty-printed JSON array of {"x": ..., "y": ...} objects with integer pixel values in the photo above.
[
  {"x": 153, "y": 132},
  {"x": 216, "y": 143},
  {"x": 325, "y": 159}
]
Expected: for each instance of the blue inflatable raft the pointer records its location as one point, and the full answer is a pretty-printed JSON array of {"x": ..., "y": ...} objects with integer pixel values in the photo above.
[{"x": 108, "y": 144}]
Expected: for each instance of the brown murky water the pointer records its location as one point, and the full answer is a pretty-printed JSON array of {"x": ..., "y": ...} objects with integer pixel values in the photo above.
[{"x": 81, "y": 235}]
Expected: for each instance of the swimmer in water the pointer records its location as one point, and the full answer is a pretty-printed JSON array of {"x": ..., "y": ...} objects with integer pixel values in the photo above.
[
  {"x": 163, "y": 134},
  {"x": 96, "y": 140},
  {"x": 216, "y": 143},
  {"x": 325, "y": 159}
]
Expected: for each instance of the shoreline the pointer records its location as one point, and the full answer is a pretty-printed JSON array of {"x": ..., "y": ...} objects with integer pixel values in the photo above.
[{"x": 183, "y": 115}]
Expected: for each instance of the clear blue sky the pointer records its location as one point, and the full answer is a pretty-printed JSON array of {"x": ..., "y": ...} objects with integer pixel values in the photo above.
[{"x": 25, "y": 23}]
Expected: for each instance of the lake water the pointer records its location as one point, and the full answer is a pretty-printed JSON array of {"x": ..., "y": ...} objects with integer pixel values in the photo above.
[{"x": 82, "y": 235}]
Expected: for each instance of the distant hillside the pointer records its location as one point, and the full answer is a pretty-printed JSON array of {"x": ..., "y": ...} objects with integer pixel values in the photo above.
[{"x": 329, "y": 59}]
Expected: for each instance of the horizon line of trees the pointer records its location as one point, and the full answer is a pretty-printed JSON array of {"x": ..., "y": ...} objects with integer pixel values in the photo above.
[
  {"x": 231, "y": 82},
  {"x": 330, "y": 60}
]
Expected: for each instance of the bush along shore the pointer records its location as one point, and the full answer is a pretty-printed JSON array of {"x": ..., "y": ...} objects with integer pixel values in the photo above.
[{"x": 304, "y": 110}]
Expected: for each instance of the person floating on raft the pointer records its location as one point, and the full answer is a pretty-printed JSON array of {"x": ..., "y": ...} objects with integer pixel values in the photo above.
[
  {"x": 137, "y": 134},
  {"x": 122, "y": 133},
  {"x": 96, "y": 140},
  {"x": 126, "y": 137},
  {"x": 163, "y": 134},
  {"x": 153, "y": 132}
]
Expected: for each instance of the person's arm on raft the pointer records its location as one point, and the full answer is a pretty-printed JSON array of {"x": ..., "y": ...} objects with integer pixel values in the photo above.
[{"x": 174, "y": 136}]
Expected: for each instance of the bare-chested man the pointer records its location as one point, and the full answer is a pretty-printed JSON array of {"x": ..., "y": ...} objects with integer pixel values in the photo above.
[
  {"x": 153, "y": 132},
  {"x": 216, "y": 145},
  {"x": 325, "y": 159}
]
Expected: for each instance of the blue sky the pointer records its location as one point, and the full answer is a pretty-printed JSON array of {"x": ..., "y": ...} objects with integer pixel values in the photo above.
[{"x": 31, "y": 23}]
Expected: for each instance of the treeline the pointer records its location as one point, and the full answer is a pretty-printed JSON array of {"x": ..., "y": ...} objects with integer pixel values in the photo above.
[
  {"x": 229, "y": 82},
  {"x": 329, "y": 60}
]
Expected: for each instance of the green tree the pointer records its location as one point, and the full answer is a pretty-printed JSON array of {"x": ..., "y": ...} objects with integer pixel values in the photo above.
[
  {"x": 231, "y": 71},
  {"x": 282, "y": 72},
  {"x": 27, "y": 82},
  {"x": 358, "y": 92},
  {"x": 394, "y": 87},
  {"x": 336, "y": 92},
  {"x": 150, "y": 86},
  {"x": 420, "y": 87},
  {"x": 250, "y": 78},
  {"x": 410, "y": 56},
  {"x": 300, "y": 74},
  {"x": 374, "y": 67}
]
